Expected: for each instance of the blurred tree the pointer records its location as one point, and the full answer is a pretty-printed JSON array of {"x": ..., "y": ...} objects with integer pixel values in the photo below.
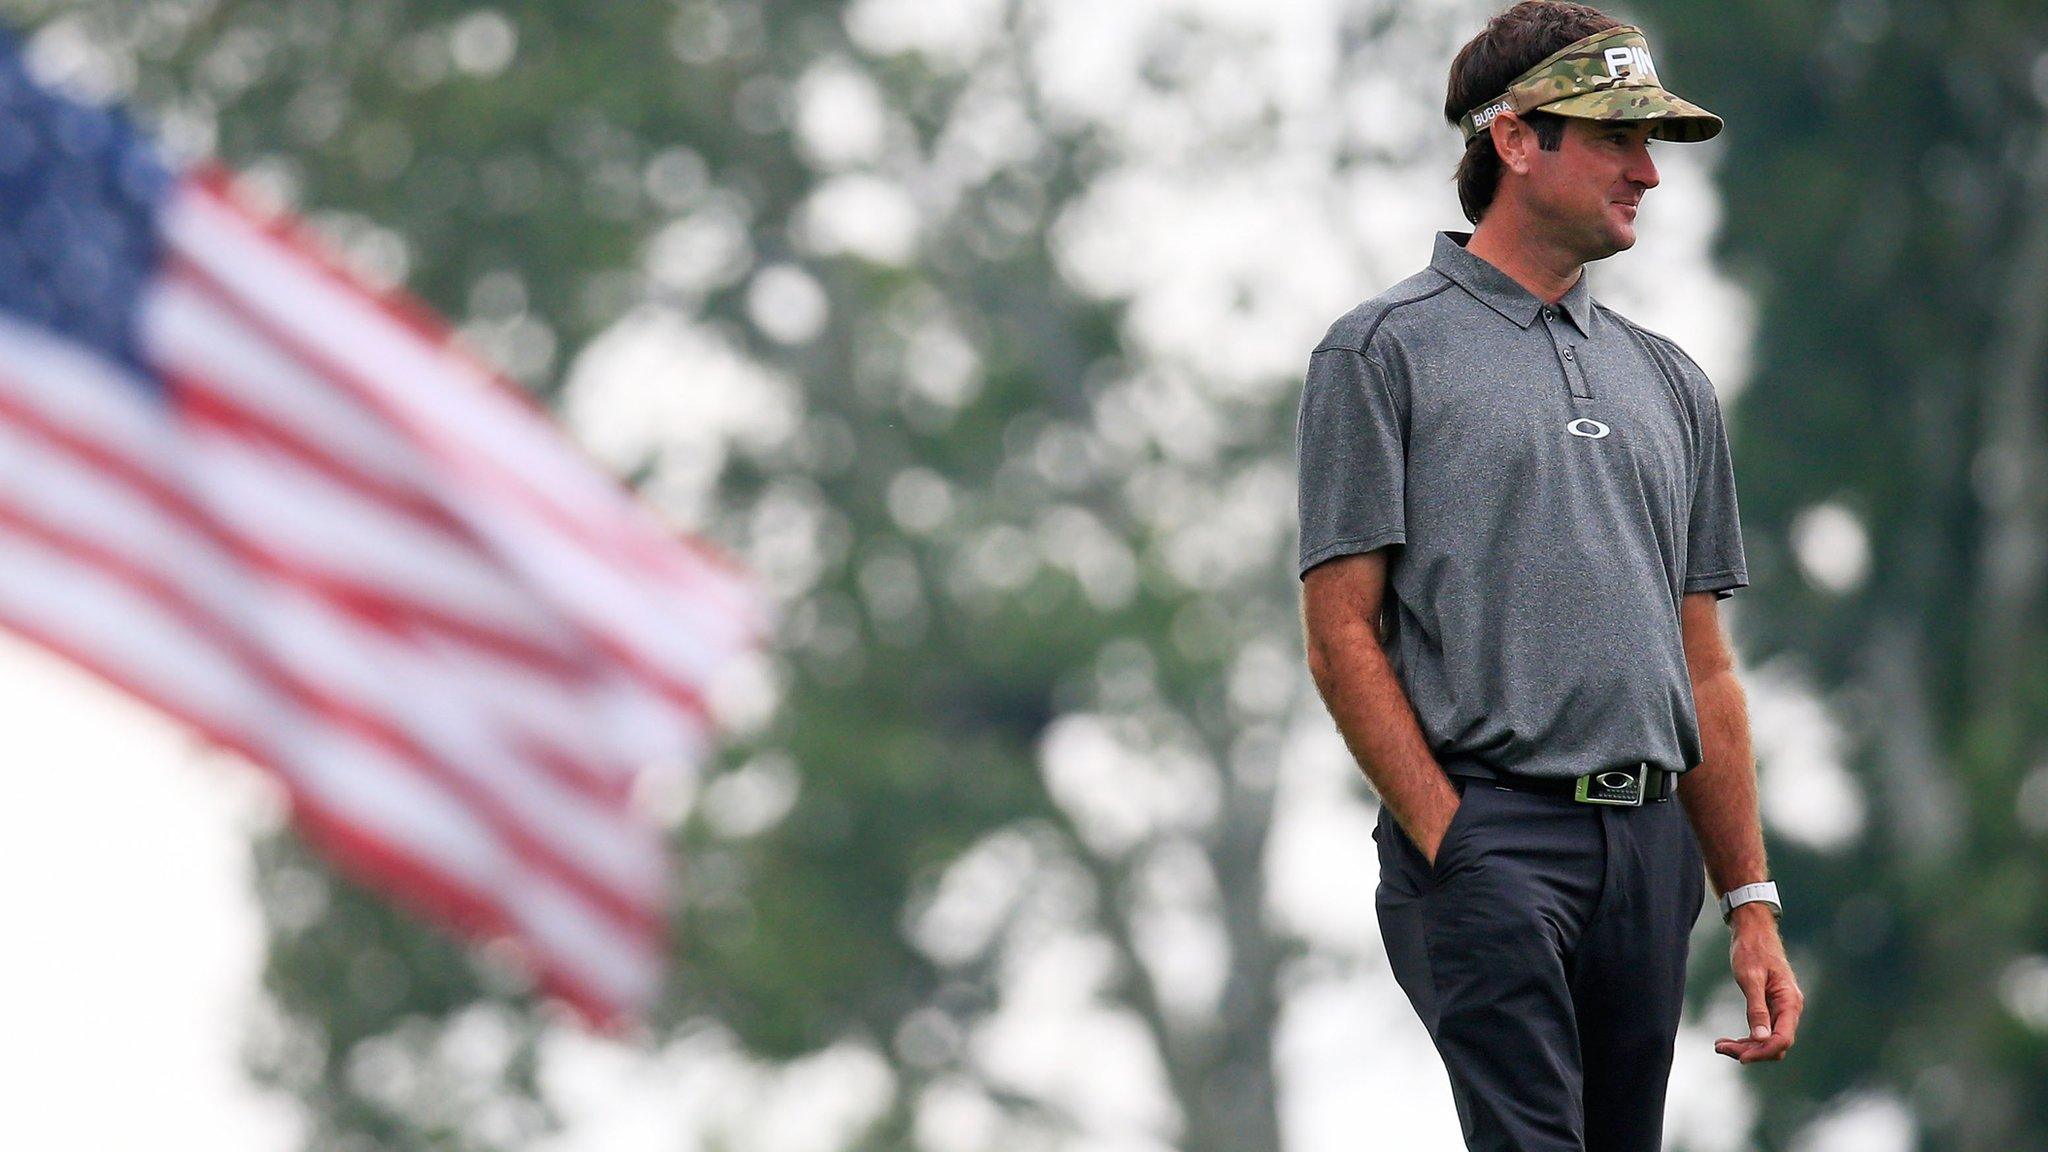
[
  {"x": 1886, "y": 174},
  {"x": 1036, "y": 668}
]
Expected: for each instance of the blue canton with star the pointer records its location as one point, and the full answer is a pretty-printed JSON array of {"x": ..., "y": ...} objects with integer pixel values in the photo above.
[{"x": 79, "y": 193}]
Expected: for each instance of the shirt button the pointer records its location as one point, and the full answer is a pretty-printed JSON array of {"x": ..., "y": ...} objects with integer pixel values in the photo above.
[
  {"x": 1549, "y": 315},
  {"x": 1567, "y": 353}
]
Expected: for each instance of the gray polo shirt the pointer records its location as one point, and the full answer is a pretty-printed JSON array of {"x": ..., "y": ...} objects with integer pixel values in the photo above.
[{"x": 1556, "y": 479}]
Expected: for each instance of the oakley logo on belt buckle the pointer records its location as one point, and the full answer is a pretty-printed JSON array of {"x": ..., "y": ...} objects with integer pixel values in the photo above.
[{"x": 1615, "y": 786}]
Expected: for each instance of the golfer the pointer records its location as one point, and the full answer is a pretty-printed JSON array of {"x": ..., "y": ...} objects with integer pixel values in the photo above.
[{"x": 1517, "y": 519}]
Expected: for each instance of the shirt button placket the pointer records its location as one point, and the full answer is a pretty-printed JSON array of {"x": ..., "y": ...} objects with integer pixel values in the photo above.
[{"x": 1567, "y": 357}]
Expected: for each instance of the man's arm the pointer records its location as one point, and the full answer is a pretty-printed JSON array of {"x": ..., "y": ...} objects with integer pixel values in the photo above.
[
  {"x": 1340, "y": 613},
  {"x": 1720, "y": 798}
]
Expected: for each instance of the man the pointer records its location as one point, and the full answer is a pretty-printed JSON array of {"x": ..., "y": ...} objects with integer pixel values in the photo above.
[{"x": 1518, "y": 515}]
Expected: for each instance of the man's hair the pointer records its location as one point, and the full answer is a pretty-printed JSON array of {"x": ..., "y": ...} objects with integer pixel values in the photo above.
[{"x": 1511, "y": 44}]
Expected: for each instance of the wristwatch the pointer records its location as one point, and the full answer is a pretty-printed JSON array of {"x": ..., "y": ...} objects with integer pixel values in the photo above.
[{"x": 1748, "y": 894}]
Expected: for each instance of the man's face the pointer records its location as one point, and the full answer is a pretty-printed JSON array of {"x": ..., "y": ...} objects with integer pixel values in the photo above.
[{"x": 1585, "y": 194}]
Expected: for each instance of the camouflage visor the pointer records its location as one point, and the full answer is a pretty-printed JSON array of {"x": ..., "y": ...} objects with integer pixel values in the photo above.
[{"x": 1606, "y": 76}]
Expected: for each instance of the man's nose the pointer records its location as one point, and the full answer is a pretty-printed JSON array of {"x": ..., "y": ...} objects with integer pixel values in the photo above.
[{"x": 1641, "y": 169}]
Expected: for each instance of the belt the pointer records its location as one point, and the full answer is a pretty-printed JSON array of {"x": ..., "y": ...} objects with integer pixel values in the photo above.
[{"x": 1626, "y": 785}]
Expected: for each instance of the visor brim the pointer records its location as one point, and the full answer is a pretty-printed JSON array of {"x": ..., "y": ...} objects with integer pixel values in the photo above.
[{"x": 1676, "y": 119}]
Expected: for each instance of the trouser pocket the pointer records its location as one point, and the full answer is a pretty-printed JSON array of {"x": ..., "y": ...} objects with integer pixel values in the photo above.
[{"x": 1451, "y": 849}]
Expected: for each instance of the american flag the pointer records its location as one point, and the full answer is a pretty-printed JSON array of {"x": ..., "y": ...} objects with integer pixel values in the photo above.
[{"x": 289, "y": 511}]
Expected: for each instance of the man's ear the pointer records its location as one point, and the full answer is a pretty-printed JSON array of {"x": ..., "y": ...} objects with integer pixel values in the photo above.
[{"x": 1513, "y": 140}]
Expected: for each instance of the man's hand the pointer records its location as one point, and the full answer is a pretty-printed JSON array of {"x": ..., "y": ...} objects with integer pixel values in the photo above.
[
  {"x": 1720, "y": 799},
  {"x": 1765, "y": 977},
  {"x": 1440, "y": 819},
  {"x": 1340, "y": 612}
]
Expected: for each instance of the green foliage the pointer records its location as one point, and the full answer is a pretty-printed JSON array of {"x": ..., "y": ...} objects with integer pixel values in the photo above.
[
  {"x": 516, "y": 167},
  {"x": 1883, "y": 180},
  {"x": 1879, "y": 207}
]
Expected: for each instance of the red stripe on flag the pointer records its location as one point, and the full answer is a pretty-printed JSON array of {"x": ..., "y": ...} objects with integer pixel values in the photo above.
[
  {"x": 205, "y": 406},
  {"x": 208, "y": 222},
  {"x": 677, "y": 691},
  {"x": 372, "y": 606},
  {"x": 351, "y": 551},
  {"x": 640, "y": 919},
  {"x": 422, "y": 323},
  {"x": 397, "y": 871},
  {"x": 197, "y": 402},
  {"x": 201, "y": 404},
  {"x": 386, "y": 867}
]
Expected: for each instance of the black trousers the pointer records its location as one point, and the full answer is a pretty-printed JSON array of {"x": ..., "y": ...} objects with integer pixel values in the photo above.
[{"x": 1545, "y": 952}]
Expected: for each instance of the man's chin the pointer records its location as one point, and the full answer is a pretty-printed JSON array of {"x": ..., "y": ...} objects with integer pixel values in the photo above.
[
  {"x": 1606, "y": 246},
  {"x": 1615, "y": 238},
  {"x": 1622, "y": 228}
]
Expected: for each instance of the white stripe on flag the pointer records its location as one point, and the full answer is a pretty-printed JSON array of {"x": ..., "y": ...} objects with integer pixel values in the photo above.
[
  {"x": 86, "y": 613},
  {"x": 318, "y": 524},
  {"x": 464, "y": 409},
  {"x": 441, "y": 584},
  {"x": 194, "y": 338},
  {"x": 547, "y": 510},
  {"x": 375, "y": 674},
  {"x": 325, "y": 536},
  {"x": 210, "y": 349}
]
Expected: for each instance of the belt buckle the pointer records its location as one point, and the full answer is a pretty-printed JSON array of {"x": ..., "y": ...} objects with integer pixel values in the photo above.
[{"x": 1621, "y": 787}]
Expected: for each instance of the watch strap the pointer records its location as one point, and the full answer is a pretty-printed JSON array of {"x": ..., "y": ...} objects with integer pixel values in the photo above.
[{"x": 1766, "y": 892}]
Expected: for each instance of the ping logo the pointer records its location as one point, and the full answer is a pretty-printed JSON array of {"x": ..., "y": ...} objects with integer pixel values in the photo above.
[
  {"x": 1590, "y": 429},
  {"x": 1630, "y": 61}
]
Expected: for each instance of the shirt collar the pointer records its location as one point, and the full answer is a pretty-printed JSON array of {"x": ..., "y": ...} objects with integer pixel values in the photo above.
[{"x": 1498, "y": 291}]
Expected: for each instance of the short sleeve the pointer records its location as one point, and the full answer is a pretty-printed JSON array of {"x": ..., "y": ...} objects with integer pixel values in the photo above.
[
  {"x": 1713, "y": 539},
  {"x": 1350, "y": 448}
]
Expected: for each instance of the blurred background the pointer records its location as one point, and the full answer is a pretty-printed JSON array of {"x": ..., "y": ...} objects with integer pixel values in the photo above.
[{"x": 974, "y": 328}]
